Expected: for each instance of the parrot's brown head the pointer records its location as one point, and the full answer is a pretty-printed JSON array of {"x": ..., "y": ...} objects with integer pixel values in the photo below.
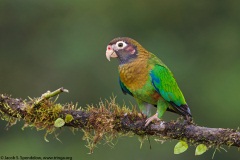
[{"x": 123, "y": 48}]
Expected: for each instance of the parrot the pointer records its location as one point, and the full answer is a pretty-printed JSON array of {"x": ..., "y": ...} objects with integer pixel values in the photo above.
[{"x": 145, "y": 77}]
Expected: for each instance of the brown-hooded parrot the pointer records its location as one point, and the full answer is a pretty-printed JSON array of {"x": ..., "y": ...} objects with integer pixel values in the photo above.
[{"x": 145, "y": 77}]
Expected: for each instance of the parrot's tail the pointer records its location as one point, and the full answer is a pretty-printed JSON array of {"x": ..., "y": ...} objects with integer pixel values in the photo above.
[{"x": 182, "y": 110}]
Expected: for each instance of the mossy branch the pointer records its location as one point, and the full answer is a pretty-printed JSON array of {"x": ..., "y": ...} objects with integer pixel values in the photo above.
[{"x": 107, "y": 120}]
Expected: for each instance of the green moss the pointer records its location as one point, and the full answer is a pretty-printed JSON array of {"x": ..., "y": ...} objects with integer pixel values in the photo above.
[
  {"x": 45, "y": 114},
  {"x": 12, "y": 120},
  {"x": 42, "y": 116},
  {"x": 102, "y": 121}
]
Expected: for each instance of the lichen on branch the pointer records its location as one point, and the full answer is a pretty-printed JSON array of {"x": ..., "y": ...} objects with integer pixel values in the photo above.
[{"x": 107, "y": 121}]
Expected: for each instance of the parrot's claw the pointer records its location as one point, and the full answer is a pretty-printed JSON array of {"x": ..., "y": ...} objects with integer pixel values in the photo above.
[
  {"x": 150, "y": 119},
  {"x": 188, "y": 120}
]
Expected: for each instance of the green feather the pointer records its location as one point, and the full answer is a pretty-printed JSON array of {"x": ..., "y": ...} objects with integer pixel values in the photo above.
[{"x": 166, "y": 85}]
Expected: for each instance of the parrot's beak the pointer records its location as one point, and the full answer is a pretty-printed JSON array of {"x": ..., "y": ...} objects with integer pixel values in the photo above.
[{"x": 110, "y": 52}]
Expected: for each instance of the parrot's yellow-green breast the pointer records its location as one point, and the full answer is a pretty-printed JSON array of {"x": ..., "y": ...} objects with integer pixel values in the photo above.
[{"x": 135, "y": 76}]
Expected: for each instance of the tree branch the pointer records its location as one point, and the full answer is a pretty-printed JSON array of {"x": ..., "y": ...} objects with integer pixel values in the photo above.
[{"x": 108, "y": 120}]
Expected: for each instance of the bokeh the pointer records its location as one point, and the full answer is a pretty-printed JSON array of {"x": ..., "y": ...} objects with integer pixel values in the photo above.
[{"x": 46, "y": 44}]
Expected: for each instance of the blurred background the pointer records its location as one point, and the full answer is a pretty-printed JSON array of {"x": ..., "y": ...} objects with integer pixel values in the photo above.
[{"x": 45, "y": 45}]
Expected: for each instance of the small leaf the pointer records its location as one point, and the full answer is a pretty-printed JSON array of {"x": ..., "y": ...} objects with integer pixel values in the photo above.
[
  {"x": 59, "y": 122},
  {"x": 201, "y": 148},
  {"x": 180, "y": 147},
  {"x": 68, "y": 118}
]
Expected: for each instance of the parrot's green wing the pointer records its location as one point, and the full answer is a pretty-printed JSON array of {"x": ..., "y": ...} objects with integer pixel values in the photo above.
[{"x": 165, "y": 84}]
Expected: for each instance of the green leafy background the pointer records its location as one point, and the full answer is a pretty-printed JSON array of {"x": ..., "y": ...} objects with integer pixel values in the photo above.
[{"x": 48, "y": 44}]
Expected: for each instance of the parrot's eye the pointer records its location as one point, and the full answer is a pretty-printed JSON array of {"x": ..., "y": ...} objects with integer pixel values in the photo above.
[{"x": 121, "y": 44}]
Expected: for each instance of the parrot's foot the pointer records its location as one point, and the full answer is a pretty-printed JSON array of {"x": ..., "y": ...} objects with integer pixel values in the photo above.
[
  {"x": 150, "y": 119},
  {"x": 188, "y": 120}
]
